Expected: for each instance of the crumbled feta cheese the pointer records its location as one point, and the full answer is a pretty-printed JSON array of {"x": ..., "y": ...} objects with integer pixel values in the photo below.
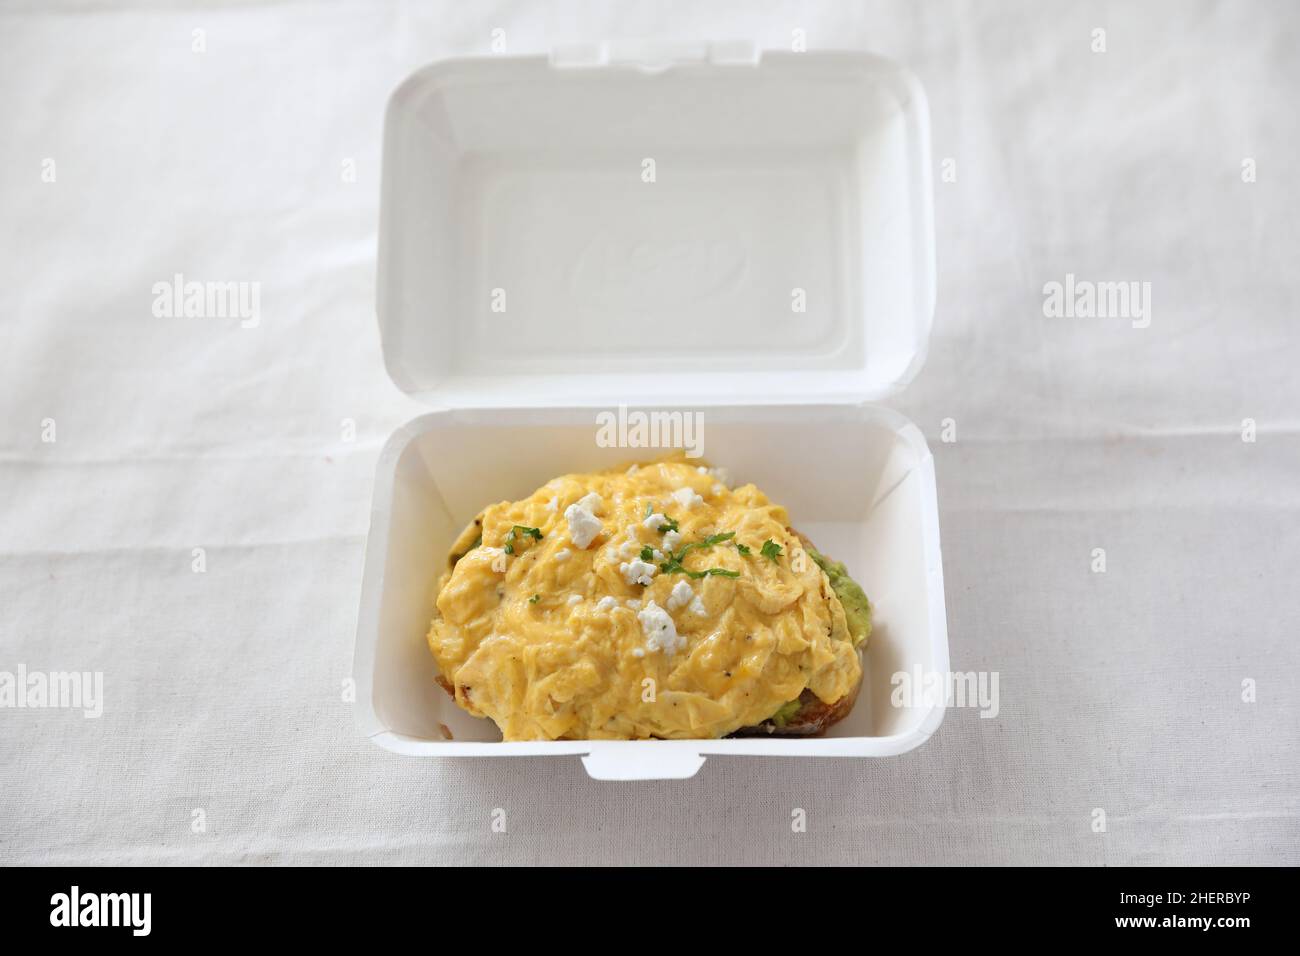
[
  {"x": 591, "y": 502},
  {"x": 687, "y": 498},
  {"x": 637, "y": 571},
  {"x": 721, "y": 475},
  {"x": 553, "y": 504},
  {"x": 583, "y": 525},
  {"x": 633, "y": 603},
  {"x": 702, "y": 470},
  {"x": 672, "y": 539},
  {"x": 562, "y": 554},
  {"x": 718, "y": 489},
  {"x": 607, "y": 603},
  {"x": 629, "y": 548},
  {"x": 575, "y": 599},
  {"x": 681, "y": 595},
  {"x": 659, "y": 630},
  {"x": 698, "y": 608},
  {"x": 638, "y": 652},
  {"x": 654, "y": 521}
]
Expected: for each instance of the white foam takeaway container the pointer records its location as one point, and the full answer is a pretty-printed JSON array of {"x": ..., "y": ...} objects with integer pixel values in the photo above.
[{"x": 652, "y": 222}]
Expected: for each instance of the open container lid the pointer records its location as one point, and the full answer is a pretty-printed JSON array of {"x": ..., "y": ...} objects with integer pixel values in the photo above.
[{"x": 671, "y": 227}]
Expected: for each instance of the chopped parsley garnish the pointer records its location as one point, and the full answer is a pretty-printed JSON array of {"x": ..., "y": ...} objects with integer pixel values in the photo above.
[
  {"x": 742, "y": 548},
  {"x": 716, "y": 572},
  {"x": 675, "y": 567},
  {"x": 674, "y": 563},
  {"x": 647, "y": 553},
  {"x": 670, "y": 526},
  {"x": 708, "y": 542},
  {"x": 534, "y": 533},
  {"x": 770, "y": 549},
  {"x": 534, "y": 599}
]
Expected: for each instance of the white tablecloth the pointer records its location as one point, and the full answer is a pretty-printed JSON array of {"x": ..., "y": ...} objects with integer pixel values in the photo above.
[{"x": 126, "y": 156}]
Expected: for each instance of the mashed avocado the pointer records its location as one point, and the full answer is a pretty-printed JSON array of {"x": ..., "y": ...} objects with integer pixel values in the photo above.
[{"x": 786, "y": 713}]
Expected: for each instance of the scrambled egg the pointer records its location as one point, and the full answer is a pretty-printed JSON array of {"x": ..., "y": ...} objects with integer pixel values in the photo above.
[{"x": 648, "y": 601}]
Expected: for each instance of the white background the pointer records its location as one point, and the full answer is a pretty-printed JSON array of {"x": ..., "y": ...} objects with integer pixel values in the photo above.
[{"x": 1120, "y": 691}]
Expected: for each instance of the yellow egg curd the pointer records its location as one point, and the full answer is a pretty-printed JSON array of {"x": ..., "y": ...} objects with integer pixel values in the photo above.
[{"x": 643, "y": 601}]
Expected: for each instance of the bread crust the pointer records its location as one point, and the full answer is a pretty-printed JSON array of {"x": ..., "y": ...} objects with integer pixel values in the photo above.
[{"x": 812, "y": 718}]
